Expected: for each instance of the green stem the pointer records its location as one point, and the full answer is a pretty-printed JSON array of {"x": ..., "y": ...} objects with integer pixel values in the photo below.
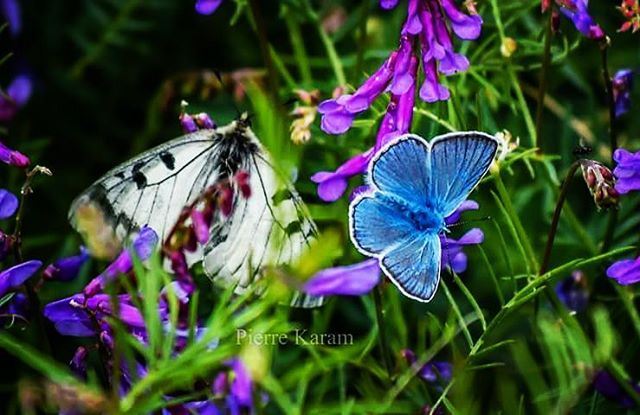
[
  {"x": 556, "y": 217},
  {"x": 522, "y": 235},
  {"x": 362, "y": 37},
  {"x": 299, "y": 51},
  {"x": 336, "y": 64},
  {"x": 542, "y": 89},
  {"x": 384, "y": 344},
  {"x": 261, "y": 31},
  {"x": 613, "y": 136}
]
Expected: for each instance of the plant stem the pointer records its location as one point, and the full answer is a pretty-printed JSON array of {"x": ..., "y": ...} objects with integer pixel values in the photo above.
[
  {"x": 362, "y": 37},
  {"x": 542, "y": 88},
  {"x": 384, "y": 344},
  {"x": 613, "y": 137},
  {"x": 299, "y": 51},
  {"x": 336, "y": 64},
  {"x": 261, "y": 32},
  {"x": 556, "y": 217}
]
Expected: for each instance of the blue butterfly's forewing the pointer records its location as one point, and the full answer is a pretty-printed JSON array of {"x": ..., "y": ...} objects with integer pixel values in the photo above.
[
  {"x": 414, "y": 266},
  {"x": 376, "y": 224},
  {"x": 458, "y": 162},
  {"x": 403, "y": 169}
]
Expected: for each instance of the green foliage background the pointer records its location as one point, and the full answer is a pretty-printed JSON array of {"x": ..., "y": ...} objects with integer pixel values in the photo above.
[{"x": 100, "y": 67}]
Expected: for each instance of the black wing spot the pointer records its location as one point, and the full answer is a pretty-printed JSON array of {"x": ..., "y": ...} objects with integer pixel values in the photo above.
[
  {"x": 120, "y": 175},
  {"x": 281, "y": 195},
  {"x": 292, "y": 228},
  {"x": 139, "y": 178},
  {"x": 168, "y": 160},
  {"x": 137, "y": 167}
]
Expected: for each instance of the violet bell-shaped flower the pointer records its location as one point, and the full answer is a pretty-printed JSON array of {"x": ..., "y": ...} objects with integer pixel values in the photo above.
[{"x": 396, "y": 121}]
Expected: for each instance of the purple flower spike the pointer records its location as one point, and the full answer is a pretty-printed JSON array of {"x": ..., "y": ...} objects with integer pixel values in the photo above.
[
  {"x": 625, "y": 272},
  {"x": 8, "y": 204},
  {"x": 582, "y": 20},
  {"x": 357, "y": 279},
  {"x": 66, "y": 269},
  {"x": 17, "y": 95},
  {"x": 622, "y": 83},
  {"x": 207, "y": 7},
  {"x": 627, "y": 170},
  {"x": 15, "y": 276},
  {"x": 12, "y": 157}
]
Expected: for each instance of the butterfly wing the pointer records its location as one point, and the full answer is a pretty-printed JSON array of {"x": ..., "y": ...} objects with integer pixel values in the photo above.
[
  {"x": 413, "y": 265},
  {"x": 458, "y": 163},
  {"x": 403, "y": 169},
  {"x": 272, "y": 227},
  {"x": 150, "y": 189}
]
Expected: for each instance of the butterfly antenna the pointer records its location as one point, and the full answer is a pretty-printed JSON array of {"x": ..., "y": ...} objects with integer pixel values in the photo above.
[
  {"x": 466, "y": 222},
  {"x": 225, "y": 88}
]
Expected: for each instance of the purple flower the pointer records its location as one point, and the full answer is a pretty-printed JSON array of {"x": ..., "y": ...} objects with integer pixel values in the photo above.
[
  {"x": 81, "y": 316},
  {"x": 8, "y": 204},
  {"x": 356, "y": 279},
  {"x": 573, "y": 292},
  {"x": 207, "y": 7},
  {"x": 16, "y": 96},
  {"x": 430, "y": 24},
  {"x": 11, "y": 12},
  {"x": 453, "y": 257},
  {"x": 15, "y": 276},
  {"x": 625, "y": 272},
  {"x": 627, "y": 170},
  {"x": 143, "y": 247},
  {"x": 432, "y": 372},
  {"x": 241, "y": 386},
  {"x": 17, "y": 306},
  {"x": 577, "y": 11},
  {"x": 12, "y": 157},
  {"x": 609, "y": 387},
  {"x": 622, "y": 83},
  {"x": 396, "y": 121},
  {"x": 66, "y": 269}
]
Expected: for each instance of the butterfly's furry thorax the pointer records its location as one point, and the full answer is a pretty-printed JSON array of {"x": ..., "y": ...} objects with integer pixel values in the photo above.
[{"x": 424, "y": 218}]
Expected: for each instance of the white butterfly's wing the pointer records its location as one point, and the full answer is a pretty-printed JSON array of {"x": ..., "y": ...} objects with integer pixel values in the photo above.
[
  {"x": 150, "y": 189},
  {"x": 272, "y": 227}
]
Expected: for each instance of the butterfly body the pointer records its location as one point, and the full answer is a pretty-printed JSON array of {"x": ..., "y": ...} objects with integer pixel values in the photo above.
[
  {"x": 271, "y": 227},
  {"x": 414, "y": 186}
]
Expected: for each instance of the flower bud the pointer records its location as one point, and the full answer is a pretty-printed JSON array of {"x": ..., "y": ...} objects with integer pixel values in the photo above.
[
  {"x": 508, "y": 47},
  {"x": 601, "y": 183},
  {"x": 204, "y": 121},
  {"x": 79, "y": 362},
  {"x": 13, "y": 157}
]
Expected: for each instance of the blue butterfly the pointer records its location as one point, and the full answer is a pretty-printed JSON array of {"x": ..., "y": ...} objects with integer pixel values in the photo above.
[{"x": 414, "y": 185}]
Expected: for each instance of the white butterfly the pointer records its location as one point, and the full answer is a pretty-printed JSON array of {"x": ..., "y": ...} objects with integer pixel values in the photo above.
[{"x": 272, "y": 227}]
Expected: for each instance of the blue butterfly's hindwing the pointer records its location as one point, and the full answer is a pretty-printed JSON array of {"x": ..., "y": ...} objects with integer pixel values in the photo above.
[{"x": 414, "y": 186}]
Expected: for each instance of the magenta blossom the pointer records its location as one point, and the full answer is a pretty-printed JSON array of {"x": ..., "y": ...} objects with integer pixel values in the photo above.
[
  {"x": 577, "y": 11},
  {"x": 356, "y": 279},
  {"x": 12, "y": 157},
  {"x": 429, "y": 24}
]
